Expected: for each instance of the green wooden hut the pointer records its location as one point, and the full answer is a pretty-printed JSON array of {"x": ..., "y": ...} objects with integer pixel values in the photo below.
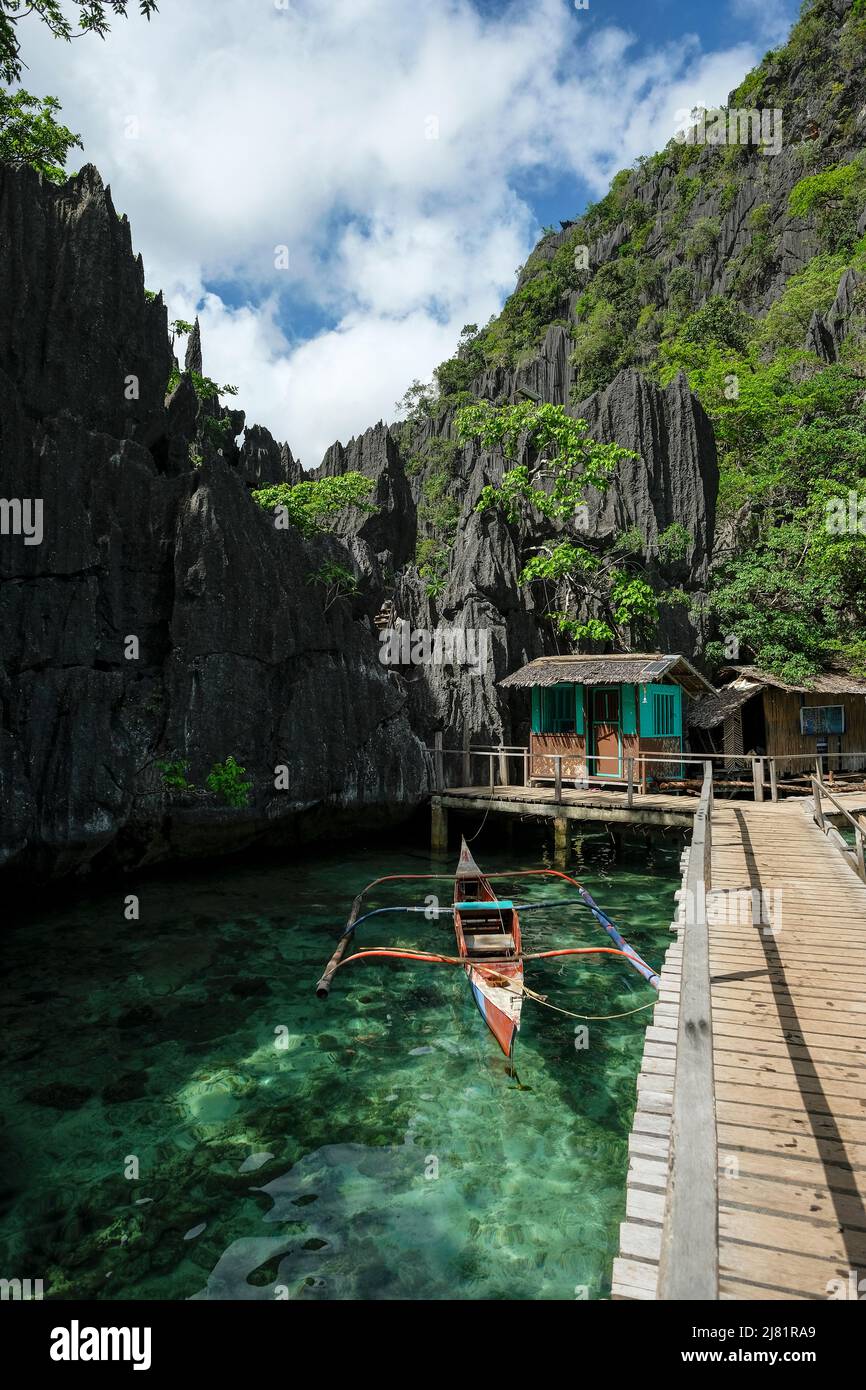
[{"x": 596, "y": 712}]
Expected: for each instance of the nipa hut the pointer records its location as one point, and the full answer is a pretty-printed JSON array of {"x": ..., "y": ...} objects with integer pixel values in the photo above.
[
  {"x": 596, "y": 712},
  {"x": 756, "y": 713}
]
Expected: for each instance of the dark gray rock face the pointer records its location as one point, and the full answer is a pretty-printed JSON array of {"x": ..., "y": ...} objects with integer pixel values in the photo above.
[
  {"x": 263, "y": 461},
  {"x": 674, "y": 479},
  {"x": 115, "y": 372},
  {"x": 193, "y": 361},
  {"x": 163, "y": 616},
  {"x": 391, "y": 528}
]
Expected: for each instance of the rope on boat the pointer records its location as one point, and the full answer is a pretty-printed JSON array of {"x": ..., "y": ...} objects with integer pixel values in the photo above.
[
  {"x": 490, "y": 802},
  {"x": 589, "y": 1018}
]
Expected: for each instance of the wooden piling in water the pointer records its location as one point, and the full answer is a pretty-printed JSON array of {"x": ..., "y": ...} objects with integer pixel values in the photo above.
[{"x": 438, "y": 827}]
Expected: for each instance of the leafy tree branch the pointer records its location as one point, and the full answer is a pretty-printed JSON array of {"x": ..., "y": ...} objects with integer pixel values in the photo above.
[
  {"x": 93, "y": 18},
  {"x": 589, "y": 577}
]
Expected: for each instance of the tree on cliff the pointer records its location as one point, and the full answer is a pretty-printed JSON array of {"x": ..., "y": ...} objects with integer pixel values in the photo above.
[
  {"x": 29, "y": 131},
  {"x": 29, "y": 134},
  {"x": 593, "y": 580}
]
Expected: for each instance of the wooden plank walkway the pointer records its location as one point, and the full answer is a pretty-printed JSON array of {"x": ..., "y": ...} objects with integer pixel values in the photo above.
[{"x": 787, "y": 934}]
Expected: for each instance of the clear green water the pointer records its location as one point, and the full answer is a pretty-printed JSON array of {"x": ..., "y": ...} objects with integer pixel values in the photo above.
[{"x": 374, "y": 1146}]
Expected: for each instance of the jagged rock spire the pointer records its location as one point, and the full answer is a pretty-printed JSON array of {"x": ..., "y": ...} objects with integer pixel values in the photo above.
[{"x": 193, "y": 359}]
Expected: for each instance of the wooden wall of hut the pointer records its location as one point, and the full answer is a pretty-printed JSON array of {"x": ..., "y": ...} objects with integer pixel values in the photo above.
[
  {"x": 661, "y": 771},
  {"x": 572, "y": 750},
  {"x": 570, "y": 747},
  {"x": 782, "y": 715}
]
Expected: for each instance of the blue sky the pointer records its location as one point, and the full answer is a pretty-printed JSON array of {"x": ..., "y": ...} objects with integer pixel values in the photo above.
[{"x": 337, "y": 186}]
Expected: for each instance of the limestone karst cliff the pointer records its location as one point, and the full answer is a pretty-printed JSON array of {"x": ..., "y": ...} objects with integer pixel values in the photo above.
[{"x": 150, "y": 532}]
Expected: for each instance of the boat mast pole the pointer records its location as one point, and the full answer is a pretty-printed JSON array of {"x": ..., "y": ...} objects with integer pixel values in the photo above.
[{"x": 323, "y": 988}]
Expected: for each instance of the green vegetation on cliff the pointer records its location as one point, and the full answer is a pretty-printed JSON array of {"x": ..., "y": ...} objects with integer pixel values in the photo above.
[
  {"x": 686, "y": 264},
  {"x": 313, "y": 504},
  {"x": 571, "y": 464}
]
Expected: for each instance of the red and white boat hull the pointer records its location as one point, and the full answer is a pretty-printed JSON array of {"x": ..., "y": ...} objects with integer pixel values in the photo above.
[{"x": 499, "y": 1005}]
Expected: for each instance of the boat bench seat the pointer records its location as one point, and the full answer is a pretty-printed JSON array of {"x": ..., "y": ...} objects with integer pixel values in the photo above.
[{"x": 489, "y": 944}]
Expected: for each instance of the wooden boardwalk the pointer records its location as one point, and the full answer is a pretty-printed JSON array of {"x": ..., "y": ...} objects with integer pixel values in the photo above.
[{"x": 787, "y": 942}]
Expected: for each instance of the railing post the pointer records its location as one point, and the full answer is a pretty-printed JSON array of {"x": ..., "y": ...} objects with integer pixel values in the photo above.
[
  {"x": 818, "y": 813},
  {"x": 774, "y": 788},
  {"x": 629, "y": 796},
  {"x": 492, "y": 772},
  {"x": 503, "y": 767},
  {"x": 709, "y": 800},
  {"x": 859, "y": 839},
  {"x": 758, "y": 778},
  {"x": 438, "y": 764},
  {"x": 558, "y": 771},
  {"x": 526, "y": 767}
]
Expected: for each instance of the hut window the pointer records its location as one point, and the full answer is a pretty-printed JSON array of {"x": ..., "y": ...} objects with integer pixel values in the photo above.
[
  {"x": 661, "y": 712},
  {"x": 822, "y": 719},
  {"x": 559, "y": 710}
]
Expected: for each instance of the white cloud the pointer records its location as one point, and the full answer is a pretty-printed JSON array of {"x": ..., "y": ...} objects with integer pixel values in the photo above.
[
  {"x": 255, "y": 126},
  {"x": 772, "y": 19}
]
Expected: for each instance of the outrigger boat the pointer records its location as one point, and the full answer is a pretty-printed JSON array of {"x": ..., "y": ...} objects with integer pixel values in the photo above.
[
  {"x": 488, "y": 931},
  {"x": 488, "y": 938}
]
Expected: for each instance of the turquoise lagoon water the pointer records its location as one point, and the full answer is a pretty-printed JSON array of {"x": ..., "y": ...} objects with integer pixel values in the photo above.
[{"x": 375, "y": 1146}]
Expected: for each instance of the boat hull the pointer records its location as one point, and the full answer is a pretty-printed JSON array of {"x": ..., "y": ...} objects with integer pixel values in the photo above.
[{"x": 498, "y": 1006}]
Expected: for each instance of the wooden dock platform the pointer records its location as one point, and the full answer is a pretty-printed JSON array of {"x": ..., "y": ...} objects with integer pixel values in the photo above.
[
  {"x": 597, "y": 803},
  {"x": 786, "y": 921}
]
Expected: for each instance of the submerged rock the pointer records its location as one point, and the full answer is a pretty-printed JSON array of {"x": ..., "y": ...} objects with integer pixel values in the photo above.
[
  {"x": 56, "y": 1095},
  {"x": 131, "y": 1086}
]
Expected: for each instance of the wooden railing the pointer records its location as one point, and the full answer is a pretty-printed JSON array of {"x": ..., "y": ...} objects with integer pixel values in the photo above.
[
  {"x": 856, "y": 857},
  {"x": 497, "y": 761},
  {"x": 689, "y": 1264}
]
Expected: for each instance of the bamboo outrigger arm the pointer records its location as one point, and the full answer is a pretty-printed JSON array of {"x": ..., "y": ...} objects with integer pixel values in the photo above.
[
  {"x": 622, "y": 947},
  {"x": 323, "y": 988},
  {"x": 355, "y": 921}
]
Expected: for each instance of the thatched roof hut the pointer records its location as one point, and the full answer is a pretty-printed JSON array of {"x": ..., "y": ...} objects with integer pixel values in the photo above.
[
  {"x": 604, "y": 718},
  {"x": 712, "y": 710},
  {"x": 757, "y": 712},
  {"x": 630, "y": 668}
]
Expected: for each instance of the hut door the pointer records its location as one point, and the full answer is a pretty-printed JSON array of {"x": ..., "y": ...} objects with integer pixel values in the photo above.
[{"x": 606, "y": 732}]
